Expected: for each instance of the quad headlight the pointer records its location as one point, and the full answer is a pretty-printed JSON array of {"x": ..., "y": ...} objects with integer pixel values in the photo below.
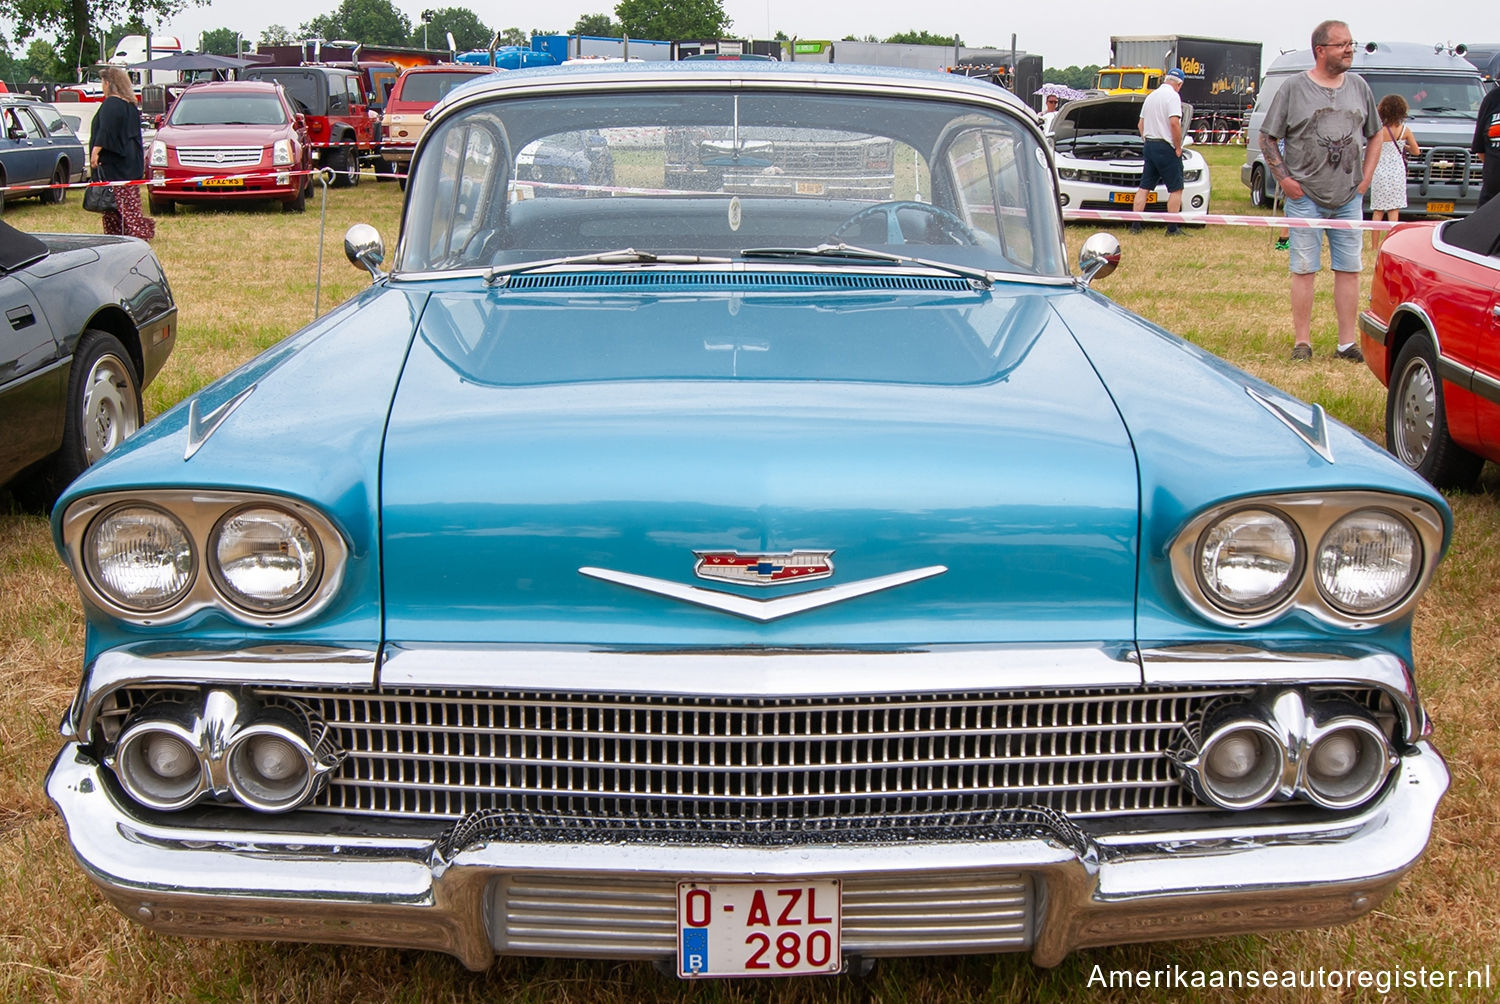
[
  {"x": 158, "y": 153},
  {"x": 261, "y": 559},
  {"x": 1355, "y": 558},
  {"x": 281, "y": 152}
]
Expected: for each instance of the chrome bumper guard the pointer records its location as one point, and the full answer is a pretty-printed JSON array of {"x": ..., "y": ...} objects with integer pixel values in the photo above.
[{"x": 617, "y": 899}]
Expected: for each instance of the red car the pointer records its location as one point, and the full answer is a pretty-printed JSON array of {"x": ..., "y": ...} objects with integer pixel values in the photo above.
[
  {"x": 1432, "y": 336},
  {"x": 231, "y": 140},
  {"x": 416, "y": 91}
]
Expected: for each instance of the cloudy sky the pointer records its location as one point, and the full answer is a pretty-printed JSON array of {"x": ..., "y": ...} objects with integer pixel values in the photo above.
[{"x": 1064, "y": 33}]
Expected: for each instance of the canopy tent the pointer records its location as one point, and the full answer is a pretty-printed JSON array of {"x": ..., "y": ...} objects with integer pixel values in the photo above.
[{"x": 190, "y": 61}]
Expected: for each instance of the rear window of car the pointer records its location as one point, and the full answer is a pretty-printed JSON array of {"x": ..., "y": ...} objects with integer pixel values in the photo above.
[
  {"x": 430, "y": 88},
  {"x": 227, "y": 109},
  {"x": 304, "y": 88}
]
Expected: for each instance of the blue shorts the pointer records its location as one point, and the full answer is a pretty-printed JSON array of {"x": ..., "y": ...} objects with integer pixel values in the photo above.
[
  {"x": 1344, "y": 246},
  {"x": 1162, "y": 166}
]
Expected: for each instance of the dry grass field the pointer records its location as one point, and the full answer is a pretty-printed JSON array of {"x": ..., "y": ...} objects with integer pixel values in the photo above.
[{"x": 243, "y": 280}]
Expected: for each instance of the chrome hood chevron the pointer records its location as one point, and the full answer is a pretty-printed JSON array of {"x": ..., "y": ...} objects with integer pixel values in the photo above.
[{"x": 762, "y": 610}]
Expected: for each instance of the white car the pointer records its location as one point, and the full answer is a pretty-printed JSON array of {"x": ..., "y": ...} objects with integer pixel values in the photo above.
[{"x": 1099, "y": 157}]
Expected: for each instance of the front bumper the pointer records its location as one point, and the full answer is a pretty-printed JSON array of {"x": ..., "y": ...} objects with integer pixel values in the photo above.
[
  {"x": 260, "y": 183},
  {"x": 617, "y": 899}
]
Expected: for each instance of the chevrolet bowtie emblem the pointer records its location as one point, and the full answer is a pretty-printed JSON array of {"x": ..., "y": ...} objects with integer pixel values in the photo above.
[{"x": 763, "y": 569}]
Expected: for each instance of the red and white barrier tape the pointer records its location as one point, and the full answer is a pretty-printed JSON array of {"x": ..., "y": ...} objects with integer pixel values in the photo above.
[{"x": 1210, "y": 219}]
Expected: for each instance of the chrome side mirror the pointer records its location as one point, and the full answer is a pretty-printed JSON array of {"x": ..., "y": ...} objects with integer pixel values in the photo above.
[
  {"x": 1099, "y": 256},
  {"x": 364, "y": 248}
]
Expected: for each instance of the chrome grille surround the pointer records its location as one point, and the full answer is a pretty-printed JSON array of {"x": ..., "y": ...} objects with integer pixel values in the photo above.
[
  {"x": 219, "y": 156},
  {"x": 752, "y": 770}
]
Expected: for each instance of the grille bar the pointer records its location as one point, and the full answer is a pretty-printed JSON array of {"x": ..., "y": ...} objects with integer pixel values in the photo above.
[{"x": 218, "y": 156}]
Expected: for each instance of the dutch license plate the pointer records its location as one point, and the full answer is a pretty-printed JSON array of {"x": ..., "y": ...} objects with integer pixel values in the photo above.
[
  {"x": 758, "y": 928},
  {"x": 1130, "y": 197},
  {"x": 1440, "y": 207},
  {"x": 223, "y": 182},
  {"x": 809, "y": 188}
]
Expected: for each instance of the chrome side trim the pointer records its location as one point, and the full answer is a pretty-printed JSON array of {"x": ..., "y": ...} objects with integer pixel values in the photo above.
[
  {"x": 1449, "y": 371},
  {"x": 1372, "y": 328},
  {"x": 201, "y": 426},
  {"x": 1485, "y": 386},
  {"x": 1313, "y": 432},
  {"x": 757, "y": 672},
  {"x": 762, "y": 610},
  {"x": 267, "y": 665},
  {"x": 1313, "y": 513}
]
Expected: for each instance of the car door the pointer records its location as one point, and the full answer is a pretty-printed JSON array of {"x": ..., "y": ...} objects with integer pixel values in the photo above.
[
  {"x": 33, "y": 151},
  {"x": 32, "y": 376},
  {"x": 1483, "y": 301}
]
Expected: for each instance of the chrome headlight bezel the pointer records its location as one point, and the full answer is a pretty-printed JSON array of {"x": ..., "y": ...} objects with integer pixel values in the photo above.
[
  {"x": 281, "y": 153},
  {"x": 93, "y": 572},
  {"x": 1313, "y": 514},
  {"x": 201, "y": 513}
]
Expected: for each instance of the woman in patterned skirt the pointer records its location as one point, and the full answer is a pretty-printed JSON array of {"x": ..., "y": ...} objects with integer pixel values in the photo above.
[{"x": 116, "y": 154}]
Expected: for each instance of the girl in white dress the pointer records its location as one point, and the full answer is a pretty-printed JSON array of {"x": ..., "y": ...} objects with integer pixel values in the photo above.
[{"x": 1388, "y": 187}]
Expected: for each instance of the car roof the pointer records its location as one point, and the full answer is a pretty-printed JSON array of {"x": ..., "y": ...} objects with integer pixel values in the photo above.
[
  {"x": 257, "y": 86},
  {"x": 610, "y": 76},
  {"x": 1384, "y": 56}
]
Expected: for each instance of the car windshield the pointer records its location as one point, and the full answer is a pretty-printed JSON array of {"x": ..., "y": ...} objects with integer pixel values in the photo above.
[
  {"x": 430, "y": 88},
  {"x": 227, "y": 109},
  {"x": 710, "y": 173},
  {"x": 1453, "y": 97}
]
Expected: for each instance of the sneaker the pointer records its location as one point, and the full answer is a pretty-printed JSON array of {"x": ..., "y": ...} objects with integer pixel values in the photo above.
[
  {"x": 1350, "y": 353},
  {"x": 1173, "y": 230},
  {"x": 1301, "y": 353},
  {"x": 1135, "y": 228},
  {"x": 1283, "y": 244}
]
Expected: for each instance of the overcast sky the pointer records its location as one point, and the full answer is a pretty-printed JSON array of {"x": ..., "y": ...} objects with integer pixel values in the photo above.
[{"x": 1063, "y": 33}]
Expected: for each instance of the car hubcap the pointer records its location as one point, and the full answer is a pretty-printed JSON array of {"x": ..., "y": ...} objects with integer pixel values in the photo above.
[
  {"x": 1418, "y": 414},
  {"x": 109, "y": 407}
]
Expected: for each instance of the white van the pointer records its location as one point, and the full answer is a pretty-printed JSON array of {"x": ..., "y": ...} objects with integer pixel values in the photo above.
[
  {"x": 1443, "y": 91},
  {"x": 132, "y": 49}
]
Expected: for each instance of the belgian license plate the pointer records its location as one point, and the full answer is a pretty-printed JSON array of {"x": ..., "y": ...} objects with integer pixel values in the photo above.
[
  {"x": 1440, "y": 207},
  {"x": 758, "y": 928},
  {"x": 223, "y": 182},
  {"x": 1130, "y": 196}
]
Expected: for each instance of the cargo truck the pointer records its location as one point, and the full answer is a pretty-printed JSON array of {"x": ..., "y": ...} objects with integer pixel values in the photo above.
[{"x": 1221, "y": 77}]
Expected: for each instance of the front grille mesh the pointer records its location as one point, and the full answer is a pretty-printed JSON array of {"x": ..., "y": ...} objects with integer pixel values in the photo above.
[{"x": 218, "y": 156}]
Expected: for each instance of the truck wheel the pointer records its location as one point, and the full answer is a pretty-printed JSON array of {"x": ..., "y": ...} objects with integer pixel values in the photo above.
[
  {"x": 1258, "y": 187},
  {"x": 383, "y": 170}
]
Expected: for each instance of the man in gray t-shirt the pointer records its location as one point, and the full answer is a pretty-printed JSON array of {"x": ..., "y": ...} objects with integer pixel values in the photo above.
[{"x": 1323, "y": 119}]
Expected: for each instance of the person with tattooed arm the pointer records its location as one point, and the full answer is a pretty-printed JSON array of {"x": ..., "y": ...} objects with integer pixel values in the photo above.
[{"x": 1325, "y": 117}]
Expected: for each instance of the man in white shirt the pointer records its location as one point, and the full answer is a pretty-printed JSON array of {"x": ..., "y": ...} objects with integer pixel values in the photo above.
[{"x": 1161, "y": 126}]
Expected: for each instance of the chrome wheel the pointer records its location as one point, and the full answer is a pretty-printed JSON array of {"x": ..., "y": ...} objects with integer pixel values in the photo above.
[
  {"x": 1416, "y": 412},
  {"x": 111, "y": 407}
]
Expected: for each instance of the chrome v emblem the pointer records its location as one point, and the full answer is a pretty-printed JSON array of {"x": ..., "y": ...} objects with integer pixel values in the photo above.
[
  {"x": 762, "y": 610},
  {"x": 1314, "y": 432},
  {"x": 201, "y": 426}
]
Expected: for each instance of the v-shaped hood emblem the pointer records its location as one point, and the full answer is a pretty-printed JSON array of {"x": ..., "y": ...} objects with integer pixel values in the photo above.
[{"x": 762, "y": 610}]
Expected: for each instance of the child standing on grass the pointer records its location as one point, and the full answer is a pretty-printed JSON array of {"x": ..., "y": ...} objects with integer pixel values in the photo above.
[{"x": 1395, "y": 142}]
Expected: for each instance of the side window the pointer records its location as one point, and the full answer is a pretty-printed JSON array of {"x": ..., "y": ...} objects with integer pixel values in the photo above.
[
  {"x": 992, "y": 184},
  {"x": 468, "y": 177},
  {"x": 338, "y": 96},
  {"x": 32, "y": 126}
]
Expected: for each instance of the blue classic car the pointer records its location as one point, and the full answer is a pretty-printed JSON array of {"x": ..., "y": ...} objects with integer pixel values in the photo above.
[{"x": 745, "y": 583}]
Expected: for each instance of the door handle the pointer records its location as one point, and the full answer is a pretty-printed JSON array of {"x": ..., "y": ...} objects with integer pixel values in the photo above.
[{"x": 20, "y": 317}]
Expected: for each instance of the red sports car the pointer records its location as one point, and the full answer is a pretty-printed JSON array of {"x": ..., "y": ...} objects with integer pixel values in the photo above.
[
  {"x": 1432, "y": 336},
  {"x": 231, "y": 140}
]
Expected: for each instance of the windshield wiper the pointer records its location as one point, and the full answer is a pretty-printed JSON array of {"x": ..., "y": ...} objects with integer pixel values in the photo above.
[
  {"x": 624, "y": 256},
  {"x": 854, "y": 253}
]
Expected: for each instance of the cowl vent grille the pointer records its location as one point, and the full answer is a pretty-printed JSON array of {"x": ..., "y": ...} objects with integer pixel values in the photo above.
[{"x": 767, "y": 281}]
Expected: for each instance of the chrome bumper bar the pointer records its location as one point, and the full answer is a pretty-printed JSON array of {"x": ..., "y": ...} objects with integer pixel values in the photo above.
[{"x": 405, "y": 893}]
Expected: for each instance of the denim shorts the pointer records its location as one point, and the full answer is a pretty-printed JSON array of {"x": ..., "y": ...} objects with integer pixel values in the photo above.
[
  {"x": 1162, "y": 166},
  {"x": 1344, "y": 246}
]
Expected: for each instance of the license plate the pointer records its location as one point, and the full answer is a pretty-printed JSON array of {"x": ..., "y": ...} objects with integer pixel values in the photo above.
[
  {"x": 745, "y": 929},
  {"x": 809, "y": 188},
  {"x": 1130, "y": 196},
  {"x": 223, "y": 182},
  {"x": 1440, "y": 207}
]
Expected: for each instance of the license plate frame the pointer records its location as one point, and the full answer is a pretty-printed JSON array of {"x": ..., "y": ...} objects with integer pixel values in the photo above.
[
  {"x": 222, "y": 183},
  {"x": 741, "y": 928},
  {"x": 1439, "y": 207}
]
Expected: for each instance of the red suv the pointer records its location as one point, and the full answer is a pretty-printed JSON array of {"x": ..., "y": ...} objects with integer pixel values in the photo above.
[
  {"x": 340, "y": 128},
  {"x": 231, "y": 140},
  {"x": 417, "y": 90}
]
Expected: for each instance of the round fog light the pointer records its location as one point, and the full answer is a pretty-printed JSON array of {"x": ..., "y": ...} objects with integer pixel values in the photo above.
[
  {"x": 158, "y": 765},
  {"x": 270, "y": 768},
  {"x": 1063, "y": 199},
  {"x": 1346, "y": 764},
  {"x": 1197, "y": 202},
  {"x": 1241, "y": 765}
]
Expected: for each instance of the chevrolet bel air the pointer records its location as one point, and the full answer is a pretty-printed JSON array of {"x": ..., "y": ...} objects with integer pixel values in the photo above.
[{"x": 754, "y": 584}]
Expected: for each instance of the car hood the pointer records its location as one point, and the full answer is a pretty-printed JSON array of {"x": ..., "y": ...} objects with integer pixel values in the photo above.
[
  {"x": 223, "y": 135},
  {"x": 556, "y": 465},
  {"x": 1109, "y": 113}
]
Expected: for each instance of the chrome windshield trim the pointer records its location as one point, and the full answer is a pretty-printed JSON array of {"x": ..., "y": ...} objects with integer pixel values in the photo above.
[
  {"x": 801, "y": 267},
  {"x": 265, "y": 665},
  {"x": 750, "y": 672}
]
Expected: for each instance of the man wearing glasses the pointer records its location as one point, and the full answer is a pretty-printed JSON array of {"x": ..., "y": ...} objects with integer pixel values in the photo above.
[{"x": 1324, "y": 119}]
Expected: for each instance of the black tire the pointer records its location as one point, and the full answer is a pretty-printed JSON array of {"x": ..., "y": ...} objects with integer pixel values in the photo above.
[
  {"x": 345, "y": 166},
  {"x": 383, "y": 170},
  {"x": 103, "y": 406},
  {"x": 1258, "y": 187},
  {"x": 161, "y": 207},
  {"x": 299, "y": 203},
  {"x": 1416, "y": 420},
  {"x": 55, "y": 196}
]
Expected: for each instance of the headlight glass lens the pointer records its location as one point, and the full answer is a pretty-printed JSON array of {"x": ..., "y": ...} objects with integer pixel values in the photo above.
[
  {"x": 1368, "y": 561},
  {"x": 1248, "y": 561},
  {"x": 266, "y": 559},
  {"x": 158, "y": 153},
  {"x": 281, "y": 152},
  {"x": 139, "y": 557}
]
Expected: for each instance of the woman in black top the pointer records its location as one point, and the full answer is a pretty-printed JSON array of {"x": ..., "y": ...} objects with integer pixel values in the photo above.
[{"x": 116, "y": 154}]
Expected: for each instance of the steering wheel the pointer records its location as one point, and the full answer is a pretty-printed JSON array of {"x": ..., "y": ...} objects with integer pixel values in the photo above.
[{"x": 954, "y": 228}]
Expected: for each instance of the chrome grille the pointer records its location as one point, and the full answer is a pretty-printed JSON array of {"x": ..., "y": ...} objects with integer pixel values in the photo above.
[
  {"x": 447, "y": 755},
  {"x": 1116, "y": 179},
  {"x": 620, "y": 915},
  {"x": 219, "y": 156}
]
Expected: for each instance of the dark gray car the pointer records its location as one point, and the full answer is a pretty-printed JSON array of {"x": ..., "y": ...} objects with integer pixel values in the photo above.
[{"x": 89, "y": 321}]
